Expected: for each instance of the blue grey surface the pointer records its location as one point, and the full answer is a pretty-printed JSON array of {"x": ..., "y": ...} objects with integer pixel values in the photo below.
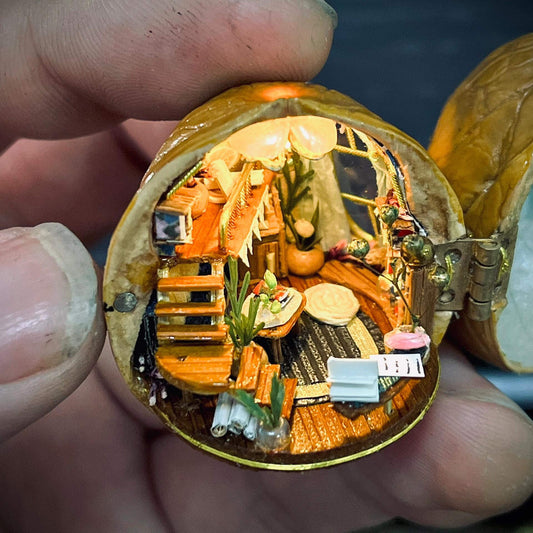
[{"x": 403, "y": 59}]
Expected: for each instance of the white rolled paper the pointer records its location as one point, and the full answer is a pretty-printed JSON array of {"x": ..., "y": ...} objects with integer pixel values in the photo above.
[
  {"x": 238, "y": 418},
  {"x": 250, "y": 431},
  {"x": 219, "y": 427}
]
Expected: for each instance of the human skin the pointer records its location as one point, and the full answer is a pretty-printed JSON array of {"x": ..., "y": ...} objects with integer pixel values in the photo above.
[{"x": 99, "y": 461}]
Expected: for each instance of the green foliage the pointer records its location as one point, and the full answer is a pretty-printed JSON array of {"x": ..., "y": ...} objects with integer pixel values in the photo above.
[
  {"x": 270, "y": 416},
  {"x": 241, "y": 327},
  {"x": 304, "y": 243},
  {"x": 293, "y": 189}
]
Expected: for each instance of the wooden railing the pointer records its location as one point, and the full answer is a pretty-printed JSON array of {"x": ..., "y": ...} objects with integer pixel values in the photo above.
[{"x": 235, "y": 205}]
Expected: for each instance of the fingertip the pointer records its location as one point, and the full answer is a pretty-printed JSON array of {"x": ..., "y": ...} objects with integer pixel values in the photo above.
[
  {"x": 51, "y": 326},
  {"x": 154, "y": 61},
  {"x": 27, "y": 399},
  {"x": 469, "y": 459},
  {"x": 486, "y": 465}
]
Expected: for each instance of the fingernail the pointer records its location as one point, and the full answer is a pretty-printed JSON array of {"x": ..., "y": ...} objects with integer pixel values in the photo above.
[
  {"x": 329, "y": 11},
  {"x": 49, "y": 291}
]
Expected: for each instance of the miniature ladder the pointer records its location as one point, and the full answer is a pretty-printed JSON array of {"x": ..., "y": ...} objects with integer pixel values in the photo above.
[{"x": 193, "y": 357}]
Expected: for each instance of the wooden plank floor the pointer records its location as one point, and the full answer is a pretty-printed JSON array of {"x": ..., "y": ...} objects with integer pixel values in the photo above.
[{"x": 320, "y": 432}]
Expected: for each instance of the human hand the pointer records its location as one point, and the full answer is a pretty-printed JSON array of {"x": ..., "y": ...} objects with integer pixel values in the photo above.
[{"x": 99, "y": 461}]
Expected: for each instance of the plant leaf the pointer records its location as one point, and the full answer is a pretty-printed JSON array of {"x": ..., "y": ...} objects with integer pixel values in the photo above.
[
  {"x": 242, "y": 295},
  {"x": 249, "y": 403},
  {"x": 298, "y": 197},
  {"x": 277, "y": 396},
  {"x": 314, "y": 218}
]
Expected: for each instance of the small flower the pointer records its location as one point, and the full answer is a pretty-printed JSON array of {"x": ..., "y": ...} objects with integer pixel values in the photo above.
[
  {"x": 389, "y": 214},
  {"x": 304, "y": 228},
  {"x": 358, "y": 248},
  {"x": 270, "y": 280}
]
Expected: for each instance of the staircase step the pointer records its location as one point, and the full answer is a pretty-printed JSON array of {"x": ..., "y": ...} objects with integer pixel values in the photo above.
[
  {"x": 290, "y": 391},
  {"x": 191, "y": 283},
  {"x": 201, "y": 333},
  {"x": 179, "y": 351},
  {"x": 191, "y": 308},
  {"x": 197, "y": 373}
]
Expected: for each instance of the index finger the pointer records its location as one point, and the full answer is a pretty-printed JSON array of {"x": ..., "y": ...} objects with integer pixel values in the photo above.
[{"x": 76, "y": 67}]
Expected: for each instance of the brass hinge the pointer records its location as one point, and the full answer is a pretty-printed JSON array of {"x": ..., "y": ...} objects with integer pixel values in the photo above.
[{"x": 479, "y": 274}]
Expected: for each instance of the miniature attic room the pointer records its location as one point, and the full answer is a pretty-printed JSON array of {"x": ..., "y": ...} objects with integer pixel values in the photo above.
[
  {"x": 278, "y": 287},
  {"x": 285, "y": 253}
]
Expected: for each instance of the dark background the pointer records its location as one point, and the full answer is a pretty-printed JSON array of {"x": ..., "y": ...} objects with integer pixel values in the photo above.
[{"x": 401, "y": 60}]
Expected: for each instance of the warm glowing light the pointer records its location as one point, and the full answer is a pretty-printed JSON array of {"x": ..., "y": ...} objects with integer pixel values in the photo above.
[
  {"x": 268, "y": 141},
  {"x": 263, "y": 140},
  {"x": 312, "y": 137},
  {"x": 281, "y": 91}
]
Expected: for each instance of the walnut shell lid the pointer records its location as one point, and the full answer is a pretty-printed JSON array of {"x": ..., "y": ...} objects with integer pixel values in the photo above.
[{"x": 483, "y": 143}]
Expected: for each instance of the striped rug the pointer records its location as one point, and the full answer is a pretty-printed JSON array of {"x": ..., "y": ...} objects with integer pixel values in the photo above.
[{"x": 306, "y": 353}]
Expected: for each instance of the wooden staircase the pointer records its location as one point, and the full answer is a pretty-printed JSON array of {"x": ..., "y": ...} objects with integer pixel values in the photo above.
[
  {"x": 193, "y": 356},
  {"x": 176, "y": 304}
]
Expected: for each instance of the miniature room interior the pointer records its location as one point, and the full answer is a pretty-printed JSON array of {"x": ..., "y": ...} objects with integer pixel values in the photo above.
[{"x": 288, "y": 261}]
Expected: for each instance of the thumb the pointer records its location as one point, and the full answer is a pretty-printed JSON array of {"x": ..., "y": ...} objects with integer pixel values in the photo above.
[{"x": 51, "y": 326}]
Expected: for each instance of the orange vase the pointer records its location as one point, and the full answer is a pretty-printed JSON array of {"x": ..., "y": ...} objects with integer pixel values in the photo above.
[{"x": 304, "y": 263}]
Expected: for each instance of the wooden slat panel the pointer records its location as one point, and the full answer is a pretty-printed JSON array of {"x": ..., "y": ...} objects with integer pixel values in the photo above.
[
  {"x": 197, "y": 365},
  {"x": 203, "y": 333},
  {"x": 348, "y": 431},
  {"x": 407, "y": 395},
  {"x": 290, "y": 391},
  {"x": 204, "y": 235},
  {"x": 311, "y": 430},
  {"x": 262, "y": 394},
  {"x": 377, "y": 419},
  {"x": 190, "y": 308},
  {"x": 400, "y": 405},
  {"x": 361, "y": 427},
  {"x": 191, "y": 283},
  {"x": 300, "y": 441},
  {"x": 250, "y": 367},
  {"x": 327, "y": 438},
  {"x": 177, "y": 351},
  {"x": 203, "y": 375},
  {"x": 334, "y": 426}
]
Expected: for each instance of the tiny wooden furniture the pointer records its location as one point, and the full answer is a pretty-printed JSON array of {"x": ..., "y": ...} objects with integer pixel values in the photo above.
[{"x": 275, "y": 334}]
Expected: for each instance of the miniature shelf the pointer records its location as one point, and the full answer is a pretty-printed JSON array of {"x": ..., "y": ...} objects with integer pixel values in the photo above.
[
  {"x": 191, "y": 283},
  {"x": 167, "y": 309},
  {"x": 201, "y": 333}
]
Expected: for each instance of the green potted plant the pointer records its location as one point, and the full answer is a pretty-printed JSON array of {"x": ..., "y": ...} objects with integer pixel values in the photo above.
[
  {"x": 242, "y": 327},
  {"x": 273, "y": 430},
  {"x": 304, "y": 256}
]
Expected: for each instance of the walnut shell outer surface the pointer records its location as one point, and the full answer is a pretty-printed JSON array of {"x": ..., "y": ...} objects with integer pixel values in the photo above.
[{"x": 483, "y": 143}]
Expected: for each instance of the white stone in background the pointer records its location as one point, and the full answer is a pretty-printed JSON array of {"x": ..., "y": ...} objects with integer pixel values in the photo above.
[{"x": 514, "y": 325}]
